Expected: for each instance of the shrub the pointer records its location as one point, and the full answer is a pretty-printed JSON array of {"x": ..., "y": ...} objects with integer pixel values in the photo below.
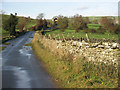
[
  {"x": 62, "y": 23},
  {"x": 33, "y": 28},
  {"x": 87, "y": 20},
  {"x": 39, "y": 25},
  {"x": 70, "y": 24},
  {"x": 76, "y": 30},
  {"x": 95, "y": 21},
  {"x": 93, "y": 31},
  {"x": 101, "y": 30},
  {"x": 107, "y": 23},
  {"x": 86, "y": 30},
  {"x": 78, "y": 22},
  {"x": 10, "y": 24},
  {"x": 53, "y": 26},
  {"x": 44, "y": 24},
  {"x": 22, "y": 23},
  {"x": 114, "y": 29}
]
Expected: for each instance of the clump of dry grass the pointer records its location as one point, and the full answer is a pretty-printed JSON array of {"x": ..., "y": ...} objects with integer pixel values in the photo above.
[
  {"x": 73, "y": 70},
  {"x": 2, "y": 48}
]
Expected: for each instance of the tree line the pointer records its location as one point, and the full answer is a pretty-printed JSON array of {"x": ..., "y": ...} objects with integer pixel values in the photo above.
[
  {"x": 76, "y": 22},
  {"x": 13, "y": 22}
]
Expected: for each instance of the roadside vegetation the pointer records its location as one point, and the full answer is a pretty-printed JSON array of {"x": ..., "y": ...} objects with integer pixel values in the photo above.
[
  {"x": 28, "y": 44},
  {"x": 70, "y": 72},
  {"x": 68, "y": 67},
  {"x": 6, "y": 43},
  {"x": 20, "y": 26},
  {"x": 78, "y": 26},
  {"x": 71, "y": 68},
  {"x": 2, "y": 48}
]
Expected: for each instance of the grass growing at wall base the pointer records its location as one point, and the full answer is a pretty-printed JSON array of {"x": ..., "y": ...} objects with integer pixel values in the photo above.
[
  {"x": 28, "y": 44},
  {"x": 78, "y": 74}
]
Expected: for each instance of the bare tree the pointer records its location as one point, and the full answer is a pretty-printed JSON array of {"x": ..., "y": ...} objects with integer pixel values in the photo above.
[
  {"x": 40, "y": 16},
  {"x": 2, "y": 12}
]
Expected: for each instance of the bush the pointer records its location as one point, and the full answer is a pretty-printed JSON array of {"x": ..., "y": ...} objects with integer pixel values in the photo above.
[
  {"x": 33, "y": 28},
  {"x": 93, "y": 31},
  {"x": 41, "y": 24},
  {"x": 62, "y": 23},
  {"x": 53, "y": 27},
  {"x": 114, "y": 29},
  {"x": 10, "y": 24},
  {"x": 22, "y": 23},
  {"x": 86, "y": 30},
  {"x": 76, "y": 30},
  {"x": 78, "y": 22},
  {"x": 70, "y": 24},
  {"x": 101, "y": 30}
]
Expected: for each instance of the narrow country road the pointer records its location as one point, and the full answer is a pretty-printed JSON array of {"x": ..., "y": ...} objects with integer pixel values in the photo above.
[{"x": 20, "y": 68}]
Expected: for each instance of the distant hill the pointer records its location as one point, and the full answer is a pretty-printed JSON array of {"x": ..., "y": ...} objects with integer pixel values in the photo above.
[{"x": 31, "y": 23}]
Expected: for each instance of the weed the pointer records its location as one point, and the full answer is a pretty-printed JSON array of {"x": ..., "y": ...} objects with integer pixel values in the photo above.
[
  {"x": 73, "y": 73},
  {"x": 6, "y": 43},
  {"x": 28, "y": 44}
]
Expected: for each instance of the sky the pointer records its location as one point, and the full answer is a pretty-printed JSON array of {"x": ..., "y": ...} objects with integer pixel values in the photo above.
[{"x": 61, "y": 7}]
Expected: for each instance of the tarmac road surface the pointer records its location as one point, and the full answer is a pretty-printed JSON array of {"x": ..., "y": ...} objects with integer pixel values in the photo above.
[{"x": 20, "y": 67}]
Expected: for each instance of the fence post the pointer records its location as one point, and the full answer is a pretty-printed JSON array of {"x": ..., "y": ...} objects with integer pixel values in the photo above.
[{"x": 87, "y": 37}]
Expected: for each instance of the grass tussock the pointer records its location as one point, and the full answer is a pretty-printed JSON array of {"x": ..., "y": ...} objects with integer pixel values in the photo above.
[
  {"x": 28, "y": 44},
  {"x": 79, "y": 73},
  {"x": 2, "y": 48},
  {"x": 6, "y": 43}
]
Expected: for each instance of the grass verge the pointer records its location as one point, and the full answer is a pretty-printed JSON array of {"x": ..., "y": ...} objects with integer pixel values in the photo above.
[
  {"x": 28, "y": 44},
  {"x": 6, "y": 43},
  {"x": 76, "y": 74},
  {"x": 2, "y": 48}
]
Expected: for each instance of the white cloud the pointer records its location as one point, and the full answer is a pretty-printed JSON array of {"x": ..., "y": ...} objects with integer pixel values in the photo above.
[{"x": 82, "y": 8}]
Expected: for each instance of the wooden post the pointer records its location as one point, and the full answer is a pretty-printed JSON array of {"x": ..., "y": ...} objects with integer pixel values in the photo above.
[{"x": 87, "y": 37}]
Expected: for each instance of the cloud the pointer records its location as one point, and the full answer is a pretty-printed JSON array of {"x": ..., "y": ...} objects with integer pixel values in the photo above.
[
  {"x": 59, "y": 0},
  {"x": 82, "y": 8}
]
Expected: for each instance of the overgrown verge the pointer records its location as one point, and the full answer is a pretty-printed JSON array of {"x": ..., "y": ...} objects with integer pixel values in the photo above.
[
  {"x": 78, "y": 73},
  {"x": 7, "y": 38},
  {"x": 2, "y": 48}
]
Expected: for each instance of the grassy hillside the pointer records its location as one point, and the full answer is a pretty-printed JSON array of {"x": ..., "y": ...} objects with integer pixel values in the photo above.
[
  {"x": 5, "y": 17},
  {"x": 5, "y": 34},
  {"x": 31, "y": 23}
]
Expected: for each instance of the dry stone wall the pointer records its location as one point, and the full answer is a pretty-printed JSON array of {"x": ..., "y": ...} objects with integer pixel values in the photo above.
[{"x": 106, "y": 52}]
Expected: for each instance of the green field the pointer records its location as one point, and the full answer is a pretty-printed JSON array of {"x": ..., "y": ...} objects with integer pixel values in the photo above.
[
  {"x": 82, "y": 34},
  {"x": 6, "y": 34},
  {"x": 93, "y": 26},
  {"x": 31, "y": 23}
]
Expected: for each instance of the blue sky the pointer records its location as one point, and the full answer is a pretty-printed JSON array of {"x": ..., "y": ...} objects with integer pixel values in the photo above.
[{"x": 50, "y": 9}]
